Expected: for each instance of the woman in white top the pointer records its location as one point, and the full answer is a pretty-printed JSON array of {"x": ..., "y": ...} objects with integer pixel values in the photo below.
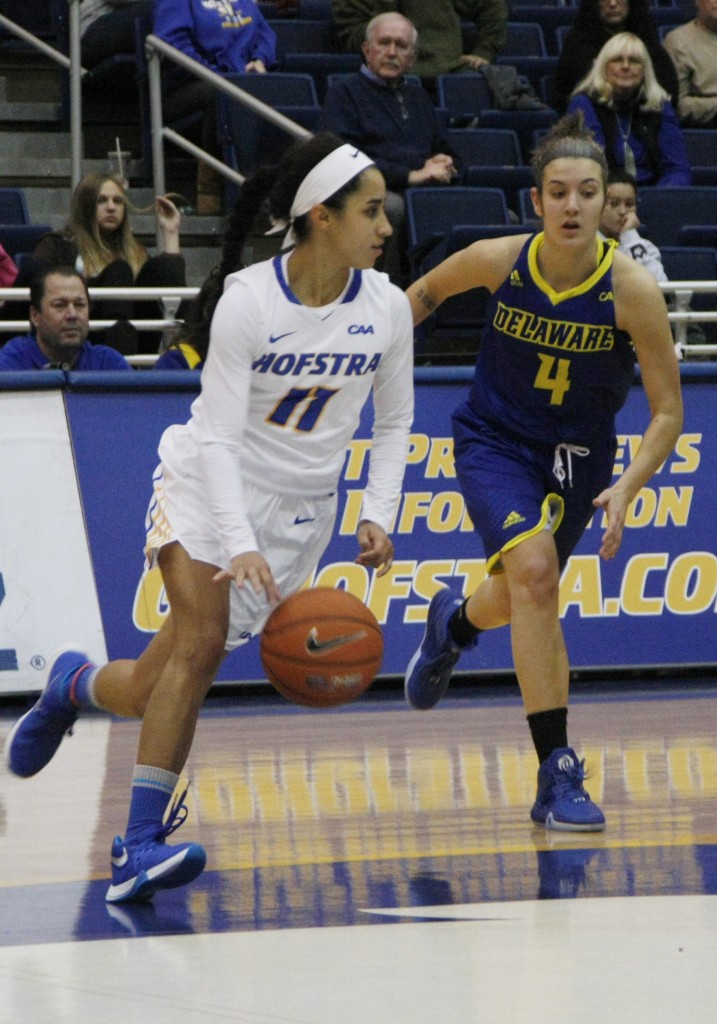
[{"x": 245, "y": 495}]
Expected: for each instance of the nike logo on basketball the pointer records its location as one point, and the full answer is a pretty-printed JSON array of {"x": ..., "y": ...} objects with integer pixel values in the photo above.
[
  {"x": 316, "y": 646},
  {"x": 303, "y": 519},
  {"x": 273, "y": 338}
]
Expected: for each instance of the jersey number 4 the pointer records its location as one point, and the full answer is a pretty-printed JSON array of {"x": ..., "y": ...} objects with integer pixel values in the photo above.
[{"x": 554, "y": 376}]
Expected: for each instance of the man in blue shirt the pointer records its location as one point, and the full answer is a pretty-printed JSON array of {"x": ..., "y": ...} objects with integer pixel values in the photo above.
[
  {"x": 395, "y": 122},
  {"x": 60, "y": 318}
]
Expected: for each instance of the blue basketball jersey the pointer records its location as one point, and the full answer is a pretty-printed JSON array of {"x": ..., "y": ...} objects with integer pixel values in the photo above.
[{"x": 553, "y": 367}]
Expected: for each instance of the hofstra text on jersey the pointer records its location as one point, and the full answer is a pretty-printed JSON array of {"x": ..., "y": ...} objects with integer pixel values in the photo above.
[{"x": 332, "y": 364}]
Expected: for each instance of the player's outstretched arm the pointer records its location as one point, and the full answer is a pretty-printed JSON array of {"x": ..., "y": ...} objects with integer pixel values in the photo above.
[
  {"x": 640, "y": 310},
  {"x": 376, "y": 547},
  {"x": 481, "y": 265}
]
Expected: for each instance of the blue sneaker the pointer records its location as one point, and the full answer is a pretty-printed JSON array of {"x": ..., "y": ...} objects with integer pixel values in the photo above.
[
  {"x": 429, "y": 670},
  {"x": 34, "y": 739},
  {"x": 562, "y": 803},
  {"x": 140, "y": 868}
]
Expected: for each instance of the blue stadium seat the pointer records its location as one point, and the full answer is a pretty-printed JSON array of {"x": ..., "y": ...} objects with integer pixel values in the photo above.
[
  {"x": 431, "y": 212},
  {"x": 320, "y": 66},
  {"x": 524, "y": 39},
  {"x": 526, "y": 211},
  {"x": 279, "y": 88},
  {"x": 665, "y": 211},
  {"x": 701, "y": 145},
  {"x": 524, "y": 122},
  {"x": 20, "y": 238},
  {"x": 464, "y": 97},
  {"x": 550, "y": 17},
  {"x": 13, "y": 206},
  {"x": 478, "y": 146},
  {"x": 296, "y": 35},
  {"x": 510, "y": 179},
  {"x": 249, "y": 140},
  {"x": 699, "y": 234},
  {"x": 531, "y": 67}
]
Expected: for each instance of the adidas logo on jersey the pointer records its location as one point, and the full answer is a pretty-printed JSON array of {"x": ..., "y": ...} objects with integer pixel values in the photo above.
[
  {"x": 512, "y": 520},
  {"x": 515, "y": 279}
]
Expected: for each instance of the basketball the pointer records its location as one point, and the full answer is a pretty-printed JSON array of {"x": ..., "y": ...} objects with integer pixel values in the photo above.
[{"x": 321, "y": 647}]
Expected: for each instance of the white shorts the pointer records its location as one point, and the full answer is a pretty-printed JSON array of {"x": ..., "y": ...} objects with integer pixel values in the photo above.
[{"x": 292, "y": 534}]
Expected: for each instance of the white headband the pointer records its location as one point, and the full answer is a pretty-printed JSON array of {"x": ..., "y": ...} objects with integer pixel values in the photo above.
[{"x": 322, "y": 181}]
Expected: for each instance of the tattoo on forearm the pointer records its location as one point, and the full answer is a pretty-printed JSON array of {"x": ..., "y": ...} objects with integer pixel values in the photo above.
[{"x": 425, "y": 299}]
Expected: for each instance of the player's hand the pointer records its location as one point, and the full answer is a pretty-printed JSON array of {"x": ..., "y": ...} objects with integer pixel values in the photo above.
[
  {"x": 255, "y": 67},
  {"x": 376, "y": 547},
  {"x": 251, "y": 568},
  {"x": 614, "y": 503}
]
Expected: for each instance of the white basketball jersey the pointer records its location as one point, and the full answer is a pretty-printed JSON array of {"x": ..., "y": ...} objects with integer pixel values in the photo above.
[{"x": 282, "y": 392}]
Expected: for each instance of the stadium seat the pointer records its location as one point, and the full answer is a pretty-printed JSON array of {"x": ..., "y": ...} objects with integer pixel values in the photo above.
[
  {"x": 701, "y": 145},
  {"x": 279, "y": 88},
  {"x": 431, "y": 213},
  {"x": 532, "y": 67},
  {"x": 699, "y": 234},
  {"x": 320, "y": 66},
  {"x": 510, "y": 179},
  {"x": 665, "y": 211},
  {"x": 550, "y": 17},
  {"x": 479, "y": 146},
  {"x": 13, "y": 206},
  {"x": 19, "y": 238},
  {"x": 524, "y": 122},
  {"x": 464, "y": 97},
  {"x": 524, "y": 39},
  {"x": 526, "y": 210},
  {"x": 249, "y": 140},
  {"x": 297, "y": 35}
]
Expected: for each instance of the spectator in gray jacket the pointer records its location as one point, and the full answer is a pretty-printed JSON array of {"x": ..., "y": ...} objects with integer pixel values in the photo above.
[{"x": 693, "y": 48}]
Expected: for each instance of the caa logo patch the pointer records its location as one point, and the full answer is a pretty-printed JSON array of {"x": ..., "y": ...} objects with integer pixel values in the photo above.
[{"x": 361, "y": 329}]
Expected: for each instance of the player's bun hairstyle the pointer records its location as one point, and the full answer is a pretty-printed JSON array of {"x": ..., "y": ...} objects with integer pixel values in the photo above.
[
  {"x": 568, "y": 138},
  {"x": 270, "y": 189}
]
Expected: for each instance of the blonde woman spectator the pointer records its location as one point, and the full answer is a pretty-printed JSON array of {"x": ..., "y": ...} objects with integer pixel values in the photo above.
[{"x": 630, "y": 114}]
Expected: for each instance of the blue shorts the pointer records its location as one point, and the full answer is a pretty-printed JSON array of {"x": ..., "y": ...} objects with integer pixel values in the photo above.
[{"x": 512, "y": 491}]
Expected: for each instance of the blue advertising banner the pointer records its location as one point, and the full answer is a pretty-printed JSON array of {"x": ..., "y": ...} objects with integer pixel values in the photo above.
[{"x": 653, "y": 605}]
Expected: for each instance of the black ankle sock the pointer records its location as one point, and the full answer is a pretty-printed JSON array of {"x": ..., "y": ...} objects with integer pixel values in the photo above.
[
  {"x": 549, "y": 730},
  {"x": 460, "y": 628}
]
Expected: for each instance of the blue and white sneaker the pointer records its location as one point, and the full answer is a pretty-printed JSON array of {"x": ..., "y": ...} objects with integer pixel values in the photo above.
[
  {"x": 33, "y": 740},
  {"x": 562, "y": 802},
  {"x": 429, "y": 670},
  {"x": 139, "y": 869}
]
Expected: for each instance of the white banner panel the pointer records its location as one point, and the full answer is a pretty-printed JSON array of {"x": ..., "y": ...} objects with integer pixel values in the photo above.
[{"x": 47, "y": 587}]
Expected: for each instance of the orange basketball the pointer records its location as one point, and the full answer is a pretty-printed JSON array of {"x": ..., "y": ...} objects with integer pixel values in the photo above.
[{"x": 321, "y": 647}]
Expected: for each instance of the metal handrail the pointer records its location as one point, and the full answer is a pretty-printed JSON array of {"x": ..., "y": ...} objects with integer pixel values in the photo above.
[
  {"x": 71, "y": 64},
  {"x": 171, "y": 297},
  {"x": 157, "y": 48}
]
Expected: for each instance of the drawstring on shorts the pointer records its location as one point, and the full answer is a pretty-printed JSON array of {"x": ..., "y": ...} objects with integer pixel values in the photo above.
[{"x": 565, "y": 452}]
